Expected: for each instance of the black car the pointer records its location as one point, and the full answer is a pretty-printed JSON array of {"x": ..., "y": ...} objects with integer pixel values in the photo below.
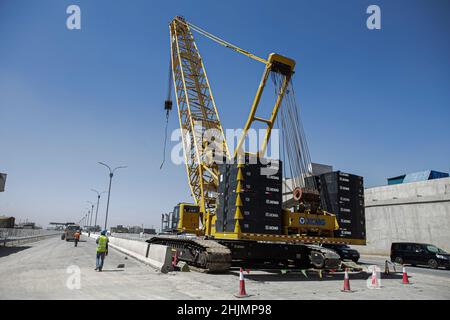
[
  {"x": 419, "y": 254},
  {"x": 344, "y": 251}
]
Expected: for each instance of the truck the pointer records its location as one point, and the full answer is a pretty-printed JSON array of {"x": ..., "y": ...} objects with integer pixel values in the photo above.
[{"x": 69, "y": 232}]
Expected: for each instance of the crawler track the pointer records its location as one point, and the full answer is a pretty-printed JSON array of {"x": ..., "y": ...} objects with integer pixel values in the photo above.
[
  {"x": 219, "y": 255},
  {"x": 206, "y": 254}
]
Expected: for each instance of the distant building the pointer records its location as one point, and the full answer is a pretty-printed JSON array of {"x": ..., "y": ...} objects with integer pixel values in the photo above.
[
  {"x": 135, "y": 229},
  {"x": 149, "y": 231},
  {"x": 119, "y": 229},
  {"x": 318, "y": 169},
  {"x": 417, "y": 176},
  {"x": 7, "y": 222},
  {"x": 27, "y": 225}
]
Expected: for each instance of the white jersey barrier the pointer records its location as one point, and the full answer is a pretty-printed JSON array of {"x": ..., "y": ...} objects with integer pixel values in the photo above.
[{"x": 155, "y": 255}]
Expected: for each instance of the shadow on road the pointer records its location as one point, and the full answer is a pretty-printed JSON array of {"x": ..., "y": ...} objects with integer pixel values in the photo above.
[
  {"x": 408, "y": 266},
  {"x": 427, "y": 268},
  {"x": 112, "y": 270},
  {"x": 6, "y": 251},
  {"x": 312, "y": 276}
]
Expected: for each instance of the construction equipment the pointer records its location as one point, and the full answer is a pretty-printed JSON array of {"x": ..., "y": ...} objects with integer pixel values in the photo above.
[{"x": 217, "y": 232}]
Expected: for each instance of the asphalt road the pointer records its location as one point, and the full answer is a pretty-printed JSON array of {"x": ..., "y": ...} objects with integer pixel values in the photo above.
[{"x": 55, "y": 269}]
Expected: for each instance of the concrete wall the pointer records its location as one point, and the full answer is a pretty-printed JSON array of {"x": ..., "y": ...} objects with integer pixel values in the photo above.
[{"x": 416, "y": 212}]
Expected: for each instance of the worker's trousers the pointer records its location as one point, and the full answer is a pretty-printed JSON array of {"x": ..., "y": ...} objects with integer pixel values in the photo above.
[{"x": 100, "y": 259}]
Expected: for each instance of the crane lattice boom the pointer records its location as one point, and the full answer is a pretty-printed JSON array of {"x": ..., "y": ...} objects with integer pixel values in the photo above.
[{"x": 197, "y": 113}]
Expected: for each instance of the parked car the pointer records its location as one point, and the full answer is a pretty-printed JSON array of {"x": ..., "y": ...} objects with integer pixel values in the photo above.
[
  {"x": 344, "y": 251},
  {"x": 419, "y": 254}
]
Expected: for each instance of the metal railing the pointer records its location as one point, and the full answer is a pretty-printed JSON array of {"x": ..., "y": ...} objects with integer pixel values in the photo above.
[{"x": 17, "y": 236}]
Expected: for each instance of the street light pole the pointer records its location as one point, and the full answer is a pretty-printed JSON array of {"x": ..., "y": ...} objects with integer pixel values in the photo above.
[
  {"x": 86, "y": 218},
  {"x": 98, "y": 201},
  {"x": 92, "y": 212},
  {"x": 111, "y": 174},
  {"x": 109, "y": 195}
]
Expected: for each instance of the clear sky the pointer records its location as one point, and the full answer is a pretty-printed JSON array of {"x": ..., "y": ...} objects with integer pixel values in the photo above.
[{"x": 374, "y": 102}]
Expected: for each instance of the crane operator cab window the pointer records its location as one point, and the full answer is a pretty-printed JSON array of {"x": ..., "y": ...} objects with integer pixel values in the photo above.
[
  {"x": 175, "y": 218},
  {"x": 186, "y": 218}
]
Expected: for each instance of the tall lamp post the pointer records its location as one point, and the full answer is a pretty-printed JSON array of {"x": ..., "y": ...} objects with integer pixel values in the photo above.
[
  {"x": 111, "y": 174},
  {"x": 92, "y": 212},
  {"x": 98, "y": 201},
  {"x": 86, "y": 220}
]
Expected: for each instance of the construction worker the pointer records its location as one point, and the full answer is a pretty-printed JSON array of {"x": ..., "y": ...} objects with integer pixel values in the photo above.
[
  {"x": 102, "y": 250},
  {"x": 77, "y": 237}
]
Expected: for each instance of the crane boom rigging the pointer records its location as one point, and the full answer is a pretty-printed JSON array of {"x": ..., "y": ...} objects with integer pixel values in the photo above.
[{"x": 220, "y": 41}]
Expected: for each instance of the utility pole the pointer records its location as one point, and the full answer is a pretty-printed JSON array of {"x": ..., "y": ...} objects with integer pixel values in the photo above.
[
  {"x": 111, "y": 174},
  {"x": 98, "y": 201},
  {"x": 92, "y": 212}
]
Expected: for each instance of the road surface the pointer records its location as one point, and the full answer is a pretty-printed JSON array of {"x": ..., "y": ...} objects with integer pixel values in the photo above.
[{"x": 55, "y": 269}]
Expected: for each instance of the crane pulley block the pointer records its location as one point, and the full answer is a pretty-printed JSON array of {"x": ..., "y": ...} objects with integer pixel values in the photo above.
[{"x": 281, "y": 64}]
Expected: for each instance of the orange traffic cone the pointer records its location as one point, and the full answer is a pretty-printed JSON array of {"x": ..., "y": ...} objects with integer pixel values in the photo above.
[
  {"x": 405, "y": 276},
  {"x": 374, "y": 278},
  {"x": 242, "y": 293},
  {"x": 175, "y": 259},
  {"x": 346, "y": 282}
]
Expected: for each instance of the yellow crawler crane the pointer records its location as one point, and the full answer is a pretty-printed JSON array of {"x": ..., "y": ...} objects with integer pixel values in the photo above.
[{"x": 296, "y": 245}]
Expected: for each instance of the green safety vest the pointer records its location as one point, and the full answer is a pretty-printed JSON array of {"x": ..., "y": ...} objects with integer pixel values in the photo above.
[{"x": 101, "y": 246}]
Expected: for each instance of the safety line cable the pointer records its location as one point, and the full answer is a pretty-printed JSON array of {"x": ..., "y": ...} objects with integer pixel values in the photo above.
[{"x": 169, "y": 99}]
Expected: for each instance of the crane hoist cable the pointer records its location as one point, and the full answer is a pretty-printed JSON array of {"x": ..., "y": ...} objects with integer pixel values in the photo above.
[
  {"x": 221, "y": 41},
  {"x": 167, "y": 107},
  {"x": 294, "y": 145}
]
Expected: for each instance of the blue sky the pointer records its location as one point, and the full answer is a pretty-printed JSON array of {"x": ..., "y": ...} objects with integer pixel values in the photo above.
[{"x": 373, "y": 103}]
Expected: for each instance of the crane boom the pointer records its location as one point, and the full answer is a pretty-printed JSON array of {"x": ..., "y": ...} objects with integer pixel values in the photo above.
[{"x": 197, "y": 114}]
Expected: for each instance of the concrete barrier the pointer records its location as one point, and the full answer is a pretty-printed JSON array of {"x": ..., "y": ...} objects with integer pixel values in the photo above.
[
  {"x": 135, "y": 246},
  {"x": 157, "y": 256},
  {"x": 160, "y": 256}
]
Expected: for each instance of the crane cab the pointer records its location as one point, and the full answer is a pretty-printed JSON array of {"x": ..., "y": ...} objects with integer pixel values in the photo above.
[{"x": 186, "y": 217}]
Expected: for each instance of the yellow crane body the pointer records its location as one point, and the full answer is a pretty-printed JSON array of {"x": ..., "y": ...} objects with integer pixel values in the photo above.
[{"x": 198, "y": 114}]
